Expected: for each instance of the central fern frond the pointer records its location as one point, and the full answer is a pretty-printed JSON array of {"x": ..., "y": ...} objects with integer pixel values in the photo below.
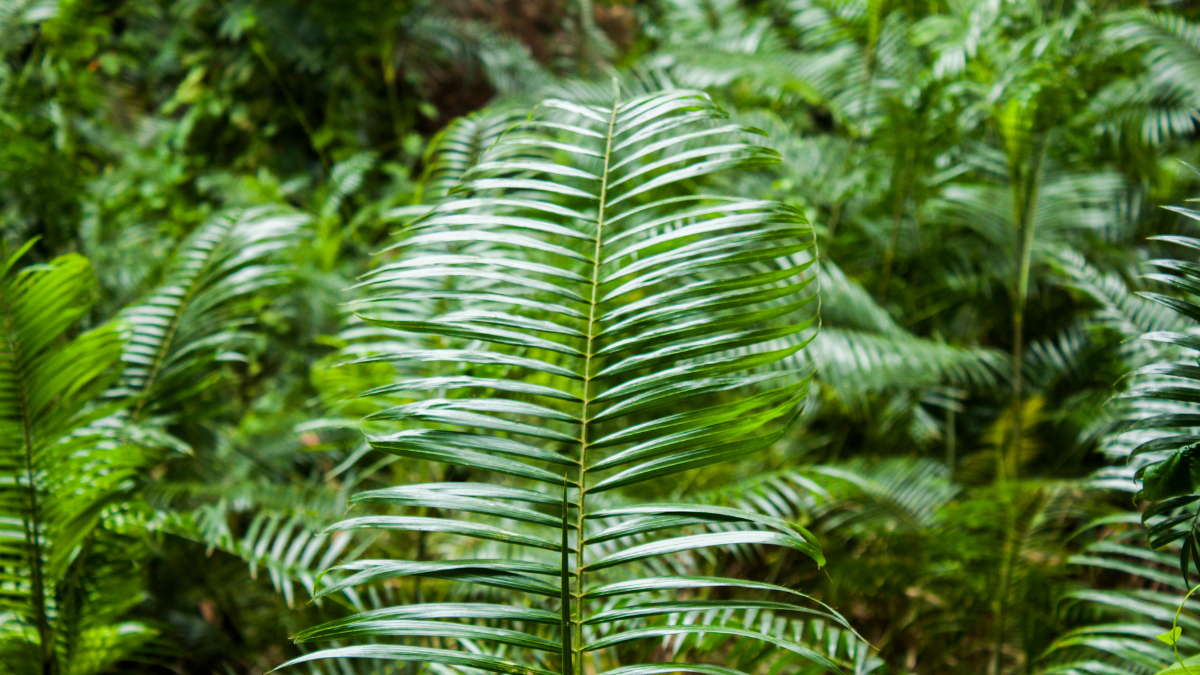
[{"x": 606, "y": 323}]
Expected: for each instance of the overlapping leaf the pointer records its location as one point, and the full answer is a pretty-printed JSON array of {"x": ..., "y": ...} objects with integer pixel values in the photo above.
[{"x": 1167, "y": 462}]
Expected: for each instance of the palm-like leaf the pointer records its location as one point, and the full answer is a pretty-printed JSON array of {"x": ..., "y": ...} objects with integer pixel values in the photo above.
[
  {"x": 1167, "y": 393},
  {"x": 459, "y": 147},
  {"x": 748, "y": 654},
  {"x": 855, "y": 362},
  {"x": 863, "y": 350},
  {"x": 283, "y": 536},
  {"x": 453, "y": 152},
  {"x": 198, "y": 314},
  {"x": 856, "y": 54},
  {"x": 60, "y": 469},
  {"x": 1121, "y": 308},
  {"x": 1134, "y": 614},
  {"x": 612, "y": 335},
  {"x": 1163, "y": 101}
]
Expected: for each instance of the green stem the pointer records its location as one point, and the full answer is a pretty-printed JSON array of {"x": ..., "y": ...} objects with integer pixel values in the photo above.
[
  {"x": 34, "y": 55},
  {"x": 388, "y": 68},
  {"x": 951, "y": 449},
  {"x": 565, "y": 581},
  {"x": 889, "y": 256},
  {"x": 1002, "y": 609},
  {"x": 577, "y": 618},
  {"x": 868, "y": 85},
  {"x": 1025, "y": 187},
  {"x": 586, "y": 25},
  {"x": 1175, "y": 627},
  {"x": 835, "y": 216}
]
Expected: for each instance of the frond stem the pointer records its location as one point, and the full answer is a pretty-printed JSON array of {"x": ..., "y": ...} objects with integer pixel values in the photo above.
[{"x": 587, "y": 392}]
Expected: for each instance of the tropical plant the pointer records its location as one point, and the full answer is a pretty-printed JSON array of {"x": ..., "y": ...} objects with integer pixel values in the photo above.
[
  {"x": 983, "y": 177},
  {"x": 1160, "y": 102},
  {"x": 198, "y": 314},
  {"x": 1124, "y": 621},
  {"x": 68, "y": 473},
  {"x": 1154, "y": 443},
  {"x": 1164, "y": 462},
  {"x": 629, "y": 303}
]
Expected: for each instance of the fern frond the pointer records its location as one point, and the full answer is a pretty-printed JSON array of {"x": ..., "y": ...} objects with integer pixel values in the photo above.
[
  {"x": 854, "y": 363},
  {"x": 460, "y": 146},
  {"x": 288, "y": 548},
  {"x": 1126, "y": 620},
  {"x": 1164, "y": 415},
  {"x": 1164, "y": 101},
  {"x": 61, "y": 468},
  {"x": 618, "y": 326},
  {"x": 900, "y": 493},
  {"x": 198, "y": 314}
]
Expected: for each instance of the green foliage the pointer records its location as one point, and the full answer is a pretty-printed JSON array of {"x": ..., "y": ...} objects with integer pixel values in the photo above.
[
  {"x": 579, "y": 269},
  {"x": 66, "y": 470},
  {"x": 1166, "y": 463},
  {"x": 196, "y": 315},
  {"x": 258, "y": 185}
]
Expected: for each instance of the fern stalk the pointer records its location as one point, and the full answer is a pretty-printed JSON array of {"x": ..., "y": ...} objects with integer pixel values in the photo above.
[
  {"x": 587, "y": 384},
  {"x": 1024, "y": 185}
]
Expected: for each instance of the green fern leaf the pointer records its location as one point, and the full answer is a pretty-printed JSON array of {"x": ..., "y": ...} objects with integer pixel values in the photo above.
[
  {"x": 197, "y": 316},
  {"x": 614, "y": 322},
  {"x": 61, "y": 467}
]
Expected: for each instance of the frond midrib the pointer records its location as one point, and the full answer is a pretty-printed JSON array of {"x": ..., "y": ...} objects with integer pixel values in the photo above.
[{"x": 589, "y": 351}]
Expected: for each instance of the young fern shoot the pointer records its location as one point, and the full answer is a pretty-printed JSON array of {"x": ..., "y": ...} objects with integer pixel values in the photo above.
[{"x": 608, "y": 324}]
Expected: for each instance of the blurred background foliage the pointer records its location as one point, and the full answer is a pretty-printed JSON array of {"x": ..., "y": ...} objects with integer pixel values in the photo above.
[{"x": 984, "y": 176}]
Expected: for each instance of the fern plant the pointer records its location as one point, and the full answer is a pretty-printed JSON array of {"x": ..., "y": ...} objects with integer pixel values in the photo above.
[
  {"x": 1130, "y": 617},
  {"x": 622, "y": 327},
  {"x": 65, "y": 471},
  {"x": 199, "y": 313},
  {"x": 1167, "y": 393}
]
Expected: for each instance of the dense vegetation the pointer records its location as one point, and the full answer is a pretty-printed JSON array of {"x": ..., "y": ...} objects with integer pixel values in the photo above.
[{"x": 264, "y": 262}]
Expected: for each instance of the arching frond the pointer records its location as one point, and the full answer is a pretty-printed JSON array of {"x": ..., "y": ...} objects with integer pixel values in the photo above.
[
  {"x": 746, "y": 654},
  {"x": 198, "y": 315},
  {"x": 284, "y": 536},
  {"x": 618, "y": 326},
  {"x": 1122, "y": 309},
  {"x": 503, "y": 61},
  {"x": 856, "y": 362},
  {"x": 1169, "y": 392},
  {"x": 900, "y": 493},
  {"x": 459, "y": 147},
  {"x": 1120, "y": 638},
  {"x": 847, "y": 305},
  {"x": 1164, "y": 100},
  {"x": 62, "y": 465}
]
